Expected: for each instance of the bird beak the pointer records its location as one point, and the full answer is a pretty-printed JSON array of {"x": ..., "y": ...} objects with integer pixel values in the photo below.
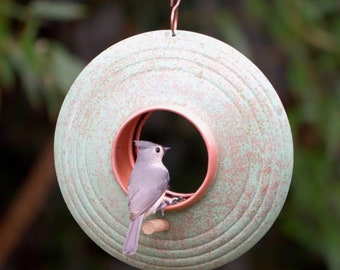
[{"x": 166, "y": 149}]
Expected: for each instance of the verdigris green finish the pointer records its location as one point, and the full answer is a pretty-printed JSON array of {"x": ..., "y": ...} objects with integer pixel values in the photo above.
[{"x": 224, "y": 90}]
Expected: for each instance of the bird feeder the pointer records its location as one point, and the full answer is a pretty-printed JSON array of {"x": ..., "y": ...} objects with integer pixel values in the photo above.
[{"x": 236, "y": 112}]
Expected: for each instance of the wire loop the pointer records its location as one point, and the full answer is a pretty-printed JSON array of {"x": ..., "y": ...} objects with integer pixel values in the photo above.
[{"x": 174, "y": 16}]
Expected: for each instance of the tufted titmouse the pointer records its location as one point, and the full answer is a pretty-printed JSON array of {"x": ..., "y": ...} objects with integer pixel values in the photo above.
[{"x": 147, "y": 185}]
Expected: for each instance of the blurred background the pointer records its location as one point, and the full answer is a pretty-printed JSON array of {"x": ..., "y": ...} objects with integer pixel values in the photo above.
[{"x": 45, "y": 44}]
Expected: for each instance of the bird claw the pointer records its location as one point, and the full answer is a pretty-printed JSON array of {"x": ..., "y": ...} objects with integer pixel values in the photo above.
[
  {"x": 162, "y": 206},
  {"x": 167, "y": 202},
  {"x": 175, "y": 200}
]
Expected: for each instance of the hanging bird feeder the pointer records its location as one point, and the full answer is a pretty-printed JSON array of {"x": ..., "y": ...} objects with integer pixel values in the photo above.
[{"x": 236, "y": 112}]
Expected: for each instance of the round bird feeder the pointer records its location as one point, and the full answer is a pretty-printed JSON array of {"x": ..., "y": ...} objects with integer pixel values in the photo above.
[{"x": 236, "y": 112}]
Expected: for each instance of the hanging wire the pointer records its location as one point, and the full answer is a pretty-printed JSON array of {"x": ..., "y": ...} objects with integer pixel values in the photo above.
[{"x": 174, "y": 16}]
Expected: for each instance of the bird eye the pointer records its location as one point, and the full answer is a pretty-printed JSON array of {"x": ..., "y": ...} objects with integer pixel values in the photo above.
[{"x": 157, "y": 149}]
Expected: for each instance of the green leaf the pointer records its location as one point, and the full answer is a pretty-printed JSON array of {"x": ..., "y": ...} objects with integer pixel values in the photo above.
[
  {"x": 57, "y": 10},
  {"x": 65, "y": 67},
  {"x": 232, "y": 32}
]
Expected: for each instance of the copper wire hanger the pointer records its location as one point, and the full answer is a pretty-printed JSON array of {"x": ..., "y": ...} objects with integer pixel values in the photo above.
[{"x": 174, "y": 16}]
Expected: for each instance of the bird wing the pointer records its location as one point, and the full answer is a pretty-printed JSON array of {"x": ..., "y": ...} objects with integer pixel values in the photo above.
[{"x": 146, "y": 186}]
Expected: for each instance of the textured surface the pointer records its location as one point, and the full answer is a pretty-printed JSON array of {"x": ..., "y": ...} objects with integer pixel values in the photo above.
[{"x": 226, "y": 91}]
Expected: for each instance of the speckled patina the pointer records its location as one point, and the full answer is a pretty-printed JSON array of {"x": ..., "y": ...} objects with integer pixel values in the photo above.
[{"x": 223, "y": 89}]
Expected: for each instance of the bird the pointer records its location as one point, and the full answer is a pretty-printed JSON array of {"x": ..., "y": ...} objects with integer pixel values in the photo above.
[{"x": 148, "y": 183}]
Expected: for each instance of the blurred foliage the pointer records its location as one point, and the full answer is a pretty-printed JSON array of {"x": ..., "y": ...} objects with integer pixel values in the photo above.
[
  {"x": 296, "y": 43},
  {"x": 307, "y": 34},
  {"x": 43, "y": 68}
]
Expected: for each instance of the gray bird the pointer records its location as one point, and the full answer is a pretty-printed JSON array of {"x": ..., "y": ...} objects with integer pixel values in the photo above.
[{"x": 148, "y": 182}]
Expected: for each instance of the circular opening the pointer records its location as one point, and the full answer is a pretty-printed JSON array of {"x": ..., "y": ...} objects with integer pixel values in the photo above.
[
  {"x": 191, "y": 162},
  {"x": 187, "y": 160}
]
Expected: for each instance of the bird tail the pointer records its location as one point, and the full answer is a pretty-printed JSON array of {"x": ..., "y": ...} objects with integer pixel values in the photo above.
[{"x": 132, "y": 236}]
